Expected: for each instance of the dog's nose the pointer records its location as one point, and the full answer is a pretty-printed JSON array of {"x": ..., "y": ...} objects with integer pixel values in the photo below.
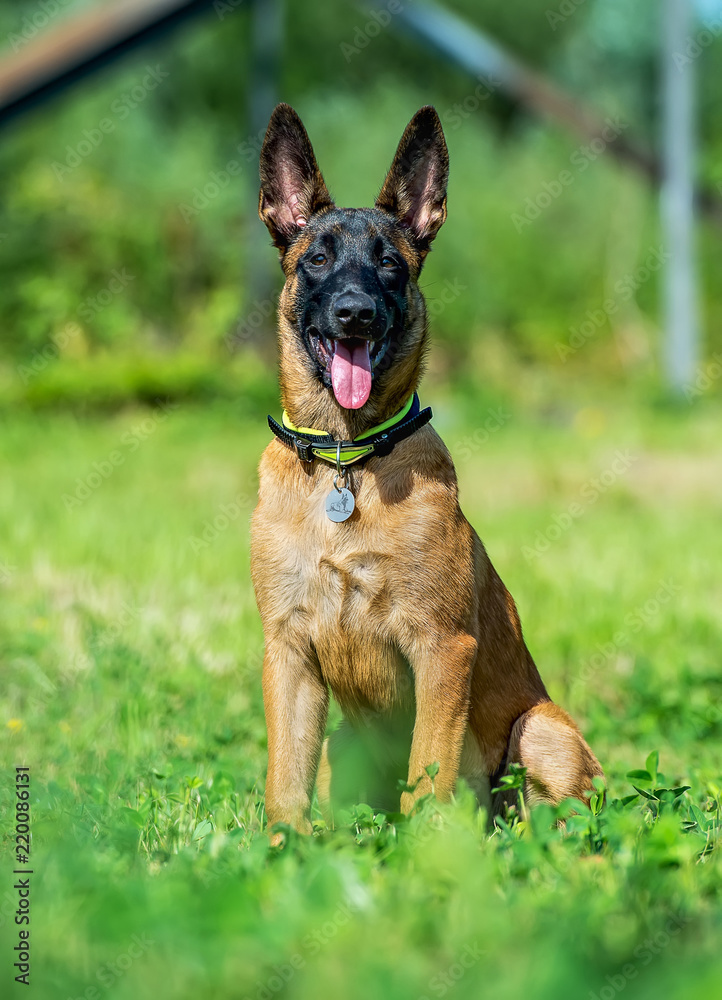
[{"x": 354, "y": 310}]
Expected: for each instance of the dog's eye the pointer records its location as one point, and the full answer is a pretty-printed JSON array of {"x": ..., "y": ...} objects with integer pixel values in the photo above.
[
  {"x": 319, "y": 259},
  {"x": 388, "y": 262}
]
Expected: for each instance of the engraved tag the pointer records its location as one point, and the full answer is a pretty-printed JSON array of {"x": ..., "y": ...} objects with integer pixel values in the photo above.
[{"x": 339, "y": 504}]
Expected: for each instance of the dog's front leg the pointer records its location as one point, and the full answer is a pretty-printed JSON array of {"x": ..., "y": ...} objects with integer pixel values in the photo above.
[
  {"x": 295, "y": 699},
  {"x": 442, "y": 680}
]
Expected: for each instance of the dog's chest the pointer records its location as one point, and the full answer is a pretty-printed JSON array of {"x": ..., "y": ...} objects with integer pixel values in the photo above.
[
  {"x": 339, "y": 574},
  {"x": 336, "y": 585}
]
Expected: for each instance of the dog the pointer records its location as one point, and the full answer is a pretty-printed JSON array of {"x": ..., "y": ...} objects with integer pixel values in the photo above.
[{"x": 370, "y": 582}]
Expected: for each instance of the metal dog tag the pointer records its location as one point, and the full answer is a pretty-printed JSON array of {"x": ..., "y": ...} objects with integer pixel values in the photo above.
[{"x": 339, "y": 504}]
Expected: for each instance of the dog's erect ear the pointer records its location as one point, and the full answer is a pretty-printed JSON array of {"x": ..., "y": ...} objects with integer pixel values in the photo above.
[
  {"x": 292, "y": 186},
  {"x": 415, "y": 186}
]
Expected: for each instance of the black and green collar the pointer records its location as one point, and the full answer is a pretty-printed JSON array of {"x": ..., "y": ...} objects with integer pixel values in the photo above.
[{"x": 309, "y": 443}]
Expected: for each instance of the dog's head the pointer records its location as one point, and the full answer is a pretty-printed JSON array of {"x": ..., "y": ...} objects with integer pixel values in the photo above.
[{"x": 352, "y": 318}]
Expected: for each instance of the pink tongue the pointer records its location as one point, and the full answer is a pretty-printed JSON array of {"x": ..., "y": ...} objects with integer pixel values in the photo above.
[{"x": 351, "y": 374}]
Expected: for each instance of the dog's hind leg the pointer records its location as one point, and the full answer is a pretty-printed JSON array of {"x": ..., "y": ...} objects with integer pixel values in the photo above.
[{"x": 559, "y": 763}]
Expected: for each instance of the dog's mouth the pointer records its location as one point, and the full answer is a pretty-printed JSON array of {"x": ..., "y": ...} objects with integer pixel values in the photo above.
[{"x": 347, "y": 365}]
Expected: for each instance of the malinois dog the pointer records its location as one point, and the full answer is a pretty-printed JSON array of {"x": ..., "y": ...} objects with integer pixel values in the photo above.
[{"x": 369, "y": 579}]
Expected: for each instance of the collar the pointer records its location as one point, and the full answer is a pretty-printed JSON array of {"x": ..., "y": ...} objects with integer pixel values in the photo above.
[{"x": 310, "y": 443}]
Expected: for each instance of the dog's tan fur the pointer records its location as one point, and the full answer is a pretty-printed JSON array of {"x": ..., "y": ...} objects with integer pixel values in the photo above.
[{"x": 398, "y": 611}]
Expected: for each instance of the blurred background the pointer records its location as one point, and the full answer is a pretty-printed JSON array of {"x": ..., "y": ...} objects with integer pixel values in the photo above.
[{"x": 133, "y": 263}]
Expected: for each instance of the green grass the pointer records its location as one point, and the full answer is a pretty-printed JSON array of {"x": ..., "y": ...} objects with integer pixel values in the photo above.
[{"x": 130, "y": 648}]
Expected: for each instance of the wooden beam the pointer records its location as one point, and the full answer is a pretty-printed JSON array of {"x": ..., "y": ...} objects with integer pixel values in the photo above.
[{"x": 83, "y": 43}]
